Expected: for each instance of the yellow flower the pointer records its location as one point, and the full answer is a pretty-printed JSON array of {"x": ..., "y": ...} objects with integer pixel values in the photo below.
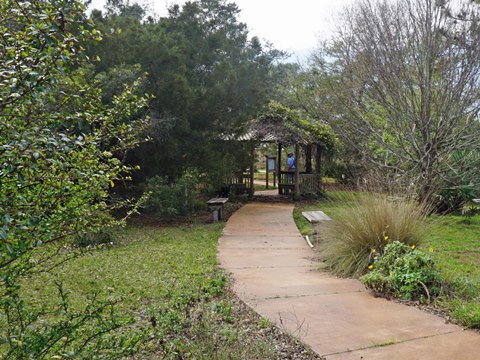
[
  {"x": 430, "y": 249},
  {"x": 386, "y": 238},
  {"x": 112, "y": 184},
  {"x": 413, "y": 247},
  {"x": 374, "y": 251},
  {"x": 370, "y": 267}
]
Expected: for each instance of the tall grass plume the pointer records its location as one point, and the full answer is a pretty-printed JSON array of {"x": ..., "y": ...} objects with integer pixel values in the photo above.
[{"x": 362, "y": 229}]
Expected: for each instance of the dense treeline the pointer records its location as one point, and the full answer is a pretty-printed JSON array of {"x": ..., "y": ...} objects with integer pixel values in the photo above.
[{"x": 206, "y": 75}]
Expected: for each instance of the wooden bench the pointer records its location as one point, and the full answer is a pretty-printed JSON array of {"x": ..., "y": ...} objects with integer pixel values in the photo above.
[
  {"x": 315, "y": 216},
  {"x": 215, "y": 205}
]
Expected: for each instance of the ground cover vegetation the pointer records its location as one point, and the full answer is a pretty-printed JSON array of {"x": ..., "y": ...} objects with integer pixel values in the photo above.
[
  {"x": 172, "y": 300},
  {"x": 432, "y": 260}
]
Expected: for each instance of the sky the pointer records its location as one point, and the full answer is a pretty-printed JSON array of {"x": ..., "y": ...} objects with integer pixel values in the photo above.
[{"x": 293, "y": 26}]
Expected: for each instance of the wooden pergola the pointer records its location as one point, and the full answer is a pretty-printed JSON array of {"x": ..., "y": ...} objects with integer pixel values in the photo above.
[
  {"x": 306, "y": 179},
  {"x": 284, "y": 127}
]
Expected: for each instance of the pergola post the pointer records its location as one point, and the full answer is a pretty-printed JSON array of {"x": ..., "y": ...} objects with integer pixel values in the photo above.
[
  {"x": 308, "y": 159},
  {"x": 318, "y": 159},
  {"x": 279, "y": 168},
  {"x": 297, "y": 171},
  {"x": 252, "y": 170}
]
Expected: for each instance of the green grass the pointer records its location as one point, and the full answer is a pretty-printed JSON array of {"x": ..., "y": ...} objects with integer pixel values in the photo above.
[
  {"x": 454, "y": 242},
  {"x": 262, "y": 175},
  {"x": 258, "y": 187},
  {"x": 169, "y": 288},
  {"x": 148, "y": 263}
]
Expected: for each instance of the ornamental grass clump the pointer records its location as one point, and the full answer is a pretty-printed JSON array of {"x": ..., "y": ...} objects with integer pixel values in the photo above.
[{"x": 365, "y": 227}]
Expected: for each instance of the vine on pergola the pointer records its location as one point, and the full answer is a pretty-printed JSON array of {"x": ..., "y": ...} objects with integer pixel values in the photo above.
[{"x": 286, "y": 126}]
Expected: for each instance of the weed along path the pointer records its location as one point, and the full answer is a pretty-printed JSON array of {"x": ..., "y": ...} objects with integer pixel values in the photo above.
[{"x": 274, "y": 272}]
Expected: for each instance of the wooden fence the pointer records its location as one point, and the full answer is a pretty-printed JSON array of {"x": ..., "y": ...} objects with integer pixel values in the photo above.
[{"x": 308, "y": 183}]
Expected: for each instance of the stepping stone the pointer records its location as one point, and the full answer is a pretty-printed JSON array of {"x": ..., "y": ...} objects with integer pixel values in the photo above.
[{"x": 315, "y": 216}]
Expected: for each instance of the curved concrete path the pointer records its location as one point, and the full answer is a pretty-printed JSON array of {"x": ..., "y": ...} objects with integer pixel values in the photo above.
[{"x": 274, "y": 272}]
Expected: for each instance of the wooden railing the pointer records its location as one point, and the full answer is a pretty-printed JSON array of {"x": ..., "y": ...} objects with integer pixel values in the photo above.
[
  {"x": 308, "y": 183},
  {"x": 286, "y": 182},
  {"x": 240, "y": 182}
]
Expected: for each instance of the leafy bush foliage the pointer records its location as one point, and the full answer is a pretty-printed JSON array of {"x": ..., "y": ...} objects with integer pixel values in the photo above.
[
  {"x": 404, "y": 272},
  {"x": 454, "y": 199},
  {"x": 172, "y": 199},
  {"x": 370, "y": 221},
  {"x": 59, "y": 158}
]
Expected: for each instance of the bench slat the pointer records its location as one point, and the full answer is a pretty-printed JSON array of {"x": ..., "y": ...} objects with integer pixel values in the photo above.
[{"x": 217, "y": 201}]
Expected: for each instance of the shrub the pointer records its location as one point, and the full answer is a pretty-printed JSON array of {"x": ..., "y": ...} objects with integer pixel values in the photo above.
[
  {"x": 454, "y": 199},
  {"x": 369, "y": 222},
  {"x": 172, "y": 199},
  {"x": 403, "y": 272},
  {"x": 59, "y": 160}
]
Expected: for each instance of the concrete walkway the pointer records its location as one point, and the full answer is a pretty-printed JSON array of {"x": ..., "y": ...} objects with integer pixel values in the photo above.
[{"x": 274, "y": 272}]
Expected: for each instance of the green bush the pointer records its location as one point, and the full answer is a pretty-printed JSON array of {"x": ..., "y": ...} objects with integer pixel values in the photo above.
[
  {"x": 404, "y": 272},
  {"x": 171, "y": 199},
  {"x": 454, "y": 199},
  {"x": 59, "y": 160},
  {"x": 370, "y": 221}
]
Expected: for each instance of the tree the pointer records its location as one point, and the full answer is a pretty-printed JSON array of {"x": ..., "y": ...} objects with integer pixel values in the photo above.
[
  {"x": 408, "y": 75},
  {"x": 207, "y": 76},
  {"x": 57, "y": 164}
]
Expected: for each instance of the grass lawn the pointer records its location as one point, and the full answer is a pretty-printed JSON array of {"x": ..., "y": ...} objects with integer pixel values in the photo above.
[
  {"x": 454, "y": 242},
  {"x": 166, "y": 281},
  {"x": 259, "y": 187}
]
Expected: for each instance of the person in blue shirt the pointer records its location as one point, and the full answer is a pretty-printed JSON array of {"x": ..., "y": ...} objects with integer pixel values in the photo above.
[{"x": 291, "y": 162}]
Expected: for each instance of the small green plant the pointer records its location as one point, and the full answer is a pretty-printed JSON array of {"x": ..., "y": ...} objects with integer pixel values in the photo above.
[
  {"x": 370, "y": 221},
  {"x": 94, "y": 238},
  {"x": 405, "y": 272}
]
